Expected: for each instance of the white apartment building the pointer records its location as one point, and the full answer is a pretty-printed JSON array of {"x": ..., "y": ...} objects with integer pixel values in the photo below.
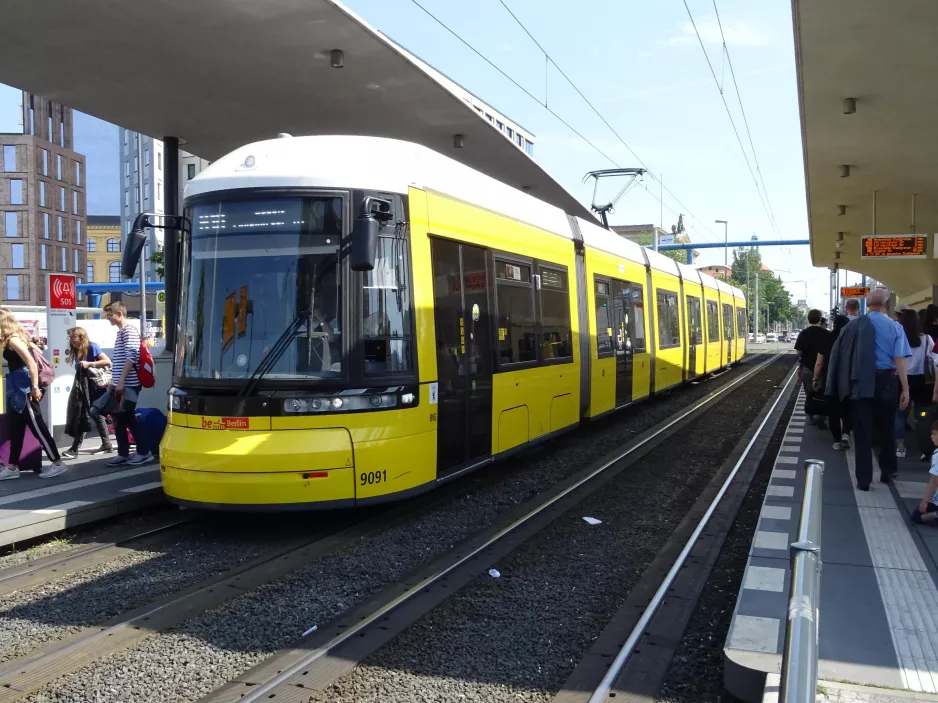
[
  {"x": 153, "y": 176},
  {"x": 149, "y": 166}
]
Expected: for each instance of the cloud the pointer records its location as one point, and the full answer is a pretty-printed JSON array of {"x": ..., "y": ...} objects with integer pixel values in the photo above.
[{"x": 737, "y": 33}]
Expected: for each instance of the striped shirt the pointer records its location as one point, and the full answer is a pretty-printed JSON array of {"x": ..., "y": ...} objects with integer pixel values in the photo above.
[{"x": 126, "y": 346}]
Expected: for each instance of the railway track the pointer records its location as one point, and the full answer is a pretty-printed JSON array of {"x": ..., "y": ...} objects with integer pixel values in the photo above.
[
  {"x": 318, "y": 661},
  {"x": 365, "y": 617},
  {"x": 48, "y": 568}
]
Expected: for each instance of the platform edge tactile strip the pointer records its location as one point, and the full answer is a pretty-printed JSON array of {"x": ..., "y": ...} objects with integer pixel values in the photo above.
[{"x": 91, "y": 503}]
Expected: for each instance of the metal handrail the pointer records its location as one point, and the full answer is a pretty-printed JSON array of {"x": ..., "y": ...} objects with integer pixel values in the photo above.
[{"x": 800, "y": 656}]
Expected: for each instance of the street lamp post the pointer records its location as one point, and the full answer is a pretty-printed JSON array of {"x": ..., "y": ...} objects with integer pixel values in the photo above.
[
  {"x": 726, "y": 241},
  {"x": 768, "y": 312}
]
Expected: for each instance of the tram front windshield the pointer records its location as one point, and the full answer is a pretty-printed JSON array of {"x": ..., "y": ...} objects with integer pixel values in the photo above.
[{"x": 253, "y": 269}]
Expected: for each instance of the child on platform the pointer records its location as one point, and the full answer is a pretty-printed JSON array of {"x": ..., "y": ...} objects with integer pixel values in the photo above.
[{"x": 927, "y": 511}]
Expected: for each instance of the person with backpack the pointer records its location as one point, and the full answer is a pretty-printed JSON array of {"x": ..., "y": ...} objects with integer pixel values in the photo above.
[
  {"x": 131, "y": 365},
  {"x": 29, "y": 373}
]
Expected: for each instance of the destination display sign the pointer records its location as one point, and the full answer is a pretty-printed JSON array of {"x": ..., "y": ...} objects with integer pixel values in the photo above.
[
  {"x": 887, "y": 246},
  {"x": 854, "y": 292}
]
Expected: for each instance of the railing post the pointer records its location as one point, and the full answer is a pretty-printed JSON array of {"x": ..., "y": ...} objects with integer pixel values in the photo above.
[{"x": 800, "y": 655}]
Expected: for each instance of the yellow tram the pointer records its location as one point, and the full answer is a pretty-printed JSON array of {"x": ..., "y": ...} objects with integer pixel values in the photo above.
[{"x": 364, "y": 318}]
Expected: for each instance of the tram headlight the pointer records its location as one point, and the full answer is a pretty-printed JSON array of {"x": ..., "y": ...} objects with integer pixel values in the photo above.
[
  {"x": 175, "y": 399},
  {"x": 352, "y": 402}
]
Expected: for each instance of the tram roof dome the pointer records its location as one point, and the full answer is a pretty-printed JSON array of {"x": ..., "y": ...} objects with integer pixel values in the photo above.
[{"x": 369, "y": 163}]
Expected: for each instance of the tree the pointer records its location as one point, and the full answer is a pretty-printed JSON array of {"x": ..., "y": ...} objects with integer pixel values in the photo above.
[
  {"x": 679, "y": 255},
  {"x": 747, "y": 264},
  {"x": 157, "y": 258}
]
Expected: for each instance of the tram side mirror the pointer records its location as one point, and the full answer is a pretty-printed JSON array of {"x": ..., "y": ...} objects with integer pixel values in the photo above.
[
  {"x": 133, "y": 247},
  {"x": 376, "y": 212},
  {"x": 364, "y": 245}
]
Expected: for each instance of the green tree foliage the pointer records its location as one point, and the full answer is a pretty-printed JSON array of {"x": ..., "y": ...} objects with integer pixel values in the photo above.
[
  {"x": 747, "y": 263},
  {"x": 157, "y": 258}
]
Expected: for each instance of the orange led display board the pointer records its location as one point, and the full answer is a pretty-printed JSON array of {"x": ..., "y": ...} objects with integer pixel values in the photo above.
[{"x": 888, "y": 246}]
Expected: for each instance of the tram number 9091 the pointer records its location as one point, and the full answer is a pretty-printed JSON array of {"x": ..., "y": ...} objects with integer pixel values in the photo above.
[{"x": 369, "y": 478}]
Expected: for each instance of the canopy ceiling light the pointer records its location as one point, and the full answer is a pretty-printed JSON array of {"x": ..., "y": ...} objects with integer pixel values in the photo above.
[{"x": 850, "y": 106}]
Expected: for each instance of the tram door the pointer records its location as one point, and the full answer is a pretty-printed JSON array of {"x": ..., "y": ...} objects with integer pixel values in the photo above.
[
  {"x": 623, "y": 325},
  {"x": 461, "y": 283},
  {"x": 695, "y": 336}
]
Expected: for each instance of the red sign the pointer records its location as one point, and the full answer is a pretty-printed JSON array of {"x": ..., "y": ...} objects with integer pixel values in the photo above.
[
  {"x": 226, "y": 423},
  {"x": 61, "y": 292}
]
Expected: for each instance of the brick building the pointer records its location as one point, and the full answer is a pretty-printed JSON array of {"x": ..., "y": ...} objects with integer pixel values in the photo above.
[{"x": 42, "y": 203}]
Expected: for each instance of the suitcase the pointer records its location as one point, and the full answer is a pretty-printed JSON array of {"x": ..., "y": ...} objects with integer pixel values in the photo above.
[
  {"x": 816, "y": 404},
  {"x": 30, "y": 457},
  {"x": 924, "y": 417},
  {"x": 155, "y": 423}
]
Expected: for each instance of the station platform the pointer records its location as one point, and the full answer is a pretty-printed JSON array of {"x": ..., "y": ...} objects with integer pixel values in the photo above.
[
  {"x": 878, "y": 613},
  {"x": 32, "y": 507}
]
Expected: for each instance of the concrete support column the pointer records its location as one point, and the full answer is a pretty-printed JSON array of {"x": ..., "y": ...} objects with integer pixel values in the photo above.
[{"x": 170, "y": 238}]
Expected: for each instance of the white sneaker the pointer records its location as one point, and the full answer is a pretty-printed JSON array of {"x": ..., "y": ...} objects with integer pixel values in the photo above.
[
  {"x": 116, "y": 461},
  {"x": 845, "y": 442},
  {"x": 8, "y": 473},
  {"x": 138, "y": 459},
  {"x": 52, "y": 471},
  {"x": 838, "y": 446}
]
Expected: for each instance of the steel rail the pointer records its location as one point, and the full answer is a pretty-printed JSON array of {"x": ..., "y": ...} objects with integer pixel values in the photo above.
[
  {"x": 601, "y": 693},
  {"x": 80, "y": 551},
  {"x": 263, "y": 691}
]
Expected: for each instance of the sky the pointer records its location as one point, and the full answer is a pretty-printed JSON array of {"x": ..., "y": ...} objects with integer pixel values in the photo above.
[{"x": 641, "y": 66}]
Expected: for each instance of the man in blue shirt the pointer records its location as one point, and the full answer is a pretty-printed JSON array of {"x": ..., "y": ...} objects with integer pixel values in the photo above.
[{"x": 891, "y": 350}]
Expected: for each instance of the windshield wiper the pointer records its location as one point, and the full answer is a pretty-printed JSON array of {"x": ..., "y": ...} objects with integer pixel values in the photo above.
[{"x": 272, "y": 356}]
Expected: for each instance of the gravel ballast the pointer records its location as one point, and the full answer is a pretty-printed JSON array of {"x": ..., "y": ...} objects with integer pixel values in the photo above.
[
  {"x": 696, "y": 671},
  {"x": 36, "y": 616},
  {"x": 198, "y": 656},
  {"x": 518, "y": 637}
]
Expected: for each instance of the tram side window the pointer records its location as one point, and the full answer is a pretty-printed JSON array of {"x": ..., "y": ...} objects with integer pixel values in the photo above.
[
  {"x": 669, "y": 328},
  {"x": 387, "y": 327},
  {"x": 638, "y": 319},
  {"x": 728, "y": 321},
  {"x": 555, "y": 314},
  {"x": 603, "y": 321},
  {"x": 740, "y": 322},
  {"x": 713, "y": 322},
  {"x": 517, "y": 334},
  {"x": 693, "y": 317}
]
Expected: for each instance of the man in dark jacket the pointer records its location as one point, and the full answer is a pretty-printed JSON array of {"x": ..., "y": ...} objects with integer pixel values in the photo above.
[{"x": 867, "y": 367}]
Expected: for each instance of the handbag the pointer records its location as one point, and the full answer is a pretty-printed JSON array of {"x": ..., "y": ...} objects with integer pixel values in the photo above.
[
  {"x": 101, "y": 378},
  {"x": 929, "y": 363},
  {"x": 107, "y": 403},
  {"x": 45, "y": 372}
]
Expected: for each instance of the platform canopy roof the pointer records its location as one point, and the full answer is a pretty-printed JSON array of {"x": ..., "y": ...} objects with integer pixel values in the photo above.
[
  {"x": 884, "y": 55},
  {"x": 222, "y": 73}
]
